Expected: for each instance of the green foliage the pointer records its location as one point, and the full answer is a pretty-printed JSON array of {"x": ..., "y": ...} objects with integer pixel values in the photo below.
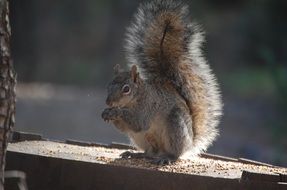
[
  {"x": 277, "y": 71},
  {"x": 251, "y": 82}
]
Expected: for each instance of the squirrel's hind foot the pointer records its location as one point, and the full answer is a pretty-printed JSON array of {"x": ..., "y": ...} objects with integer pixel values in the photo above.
[
  {"x": 137, "y": 155},
  {"x": 163, "y": 160}
]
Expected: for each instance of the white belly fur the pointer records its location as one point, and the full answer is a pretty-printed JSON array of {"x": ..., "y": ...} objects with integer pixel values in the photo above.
[{"x": 153, "y": 138}]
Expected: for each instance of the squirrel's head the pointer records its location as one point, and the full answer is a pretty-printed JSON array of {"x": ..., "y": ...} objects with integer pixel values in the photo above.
[{"x": 123, "y": 89}]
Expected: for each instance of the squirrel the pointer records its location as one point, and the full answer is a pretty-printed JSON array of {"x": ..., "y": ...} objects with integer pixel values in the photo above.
[{"x": 168, "y": 103}]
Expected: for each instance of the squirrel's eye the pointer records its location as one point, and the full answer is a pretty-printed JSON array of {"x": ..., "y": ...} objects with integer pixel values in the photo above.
[{"x": 126, "y": 89}]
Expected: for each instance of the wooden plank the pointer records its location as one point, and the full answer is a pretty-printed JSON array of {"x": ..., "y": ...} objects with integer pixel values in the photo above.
[
  {"x": 252, "y": 176},
  {"x": 21, "y": 136},
  {"x": 283, "y": 178},
  {"x": 247, "y": 161},
  {"x": 121, "y": 146},
  {"x": 217, "y": 157},
  {"x": 84, "y": 143},
  {"x": 47, "y": 173},
  {"x": 55, "y": 173}
]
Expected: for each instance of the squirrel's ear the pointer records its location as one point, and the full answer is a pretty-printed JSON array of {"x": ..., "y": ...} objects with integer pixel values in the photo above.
[
  {"x": 134, "y": 74},
  {"x": 117, "y": 69}
]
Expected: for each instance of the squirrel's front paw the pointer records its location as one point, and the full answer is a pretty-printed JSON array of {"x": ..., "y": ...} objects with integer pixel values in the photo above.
[{"x": 110, "y": 114}]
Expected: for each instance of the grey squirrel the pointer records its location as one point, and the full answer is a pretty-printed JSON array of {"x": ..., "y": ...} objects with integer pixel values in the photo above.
[{"x": 168, "y": 103}]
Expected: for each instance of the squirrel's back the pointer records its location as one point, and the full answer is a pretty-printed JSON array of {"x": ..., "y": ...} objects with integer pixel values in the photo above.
[{"x": 166, "y": 46}]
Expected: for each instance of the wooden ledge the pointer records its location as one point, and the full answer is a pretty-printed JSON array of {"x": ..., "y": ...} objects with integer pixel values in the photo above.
[{"x": 80, "y": 165}]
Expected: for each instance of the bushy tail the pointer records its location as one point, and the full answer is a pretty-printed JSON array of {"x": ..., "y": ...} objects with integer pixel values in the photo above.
[{"x": 165, "y": 45}]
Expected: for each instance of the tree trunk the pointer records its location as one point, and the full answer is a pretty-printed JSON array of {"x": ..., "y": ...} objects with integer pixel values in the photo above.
[{"x": 7, "y": 85}]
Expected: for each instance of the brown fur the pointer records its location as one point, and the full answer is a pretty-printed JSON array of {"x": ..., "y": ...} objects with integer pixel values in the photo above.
[
  {"x": 165, "y": 33},
  {"x": 175, "y": 104},
  {"x": 173, "y": 49}
]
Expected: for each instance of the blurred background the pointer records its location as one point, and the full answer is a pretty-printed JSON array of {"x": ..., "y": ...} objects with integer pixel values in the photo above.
[{"x": 64, "y": 52}]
